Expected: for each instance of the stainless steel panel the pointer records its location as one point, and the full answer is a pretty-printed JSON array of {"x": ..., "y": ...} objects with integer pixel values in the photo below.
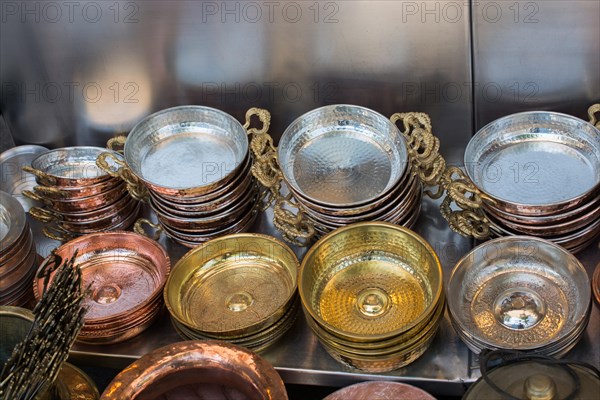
[
  {"x": 79, "y": 72},
  {"x": 535, "y": 55}
]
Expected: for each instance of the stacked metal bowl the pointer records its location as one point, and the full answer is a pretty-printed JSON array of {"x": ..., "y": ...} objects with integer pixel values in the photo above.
[
  {"x": 18, "y": 256},
  {"x": 347, "y": 164},
  {"x": 372, "y": 294},
  {"x": 520, "y": 293},
  {"x": 538, "y": 174},
  {"x": 125, "y": 273},
  {"x": 195, "y": 164},
  {"x": 239, "y": 288},
  {"x": 78, "y": 197}
]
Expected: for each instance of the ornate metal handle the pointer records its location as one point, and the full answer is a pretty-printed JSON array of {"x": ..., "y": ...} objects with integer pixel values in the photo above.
[
  {"x": 423, "y": 149},
  {"x": 118, "y": 141},
  {"x": 43, "y": 215},
  {"x": 136, "y": 189},
  {"x": 469, "y": 220},
  {"x": 56, "y": 233},
  {"x": 51, "y": 191},
  {"x": 34, "y": 196},
  {"x": 592, "y": 111},
  {"x": 41, "y": 175},
  {"x": 139, "y": 228},
  {"x": 294, "y": 226}
]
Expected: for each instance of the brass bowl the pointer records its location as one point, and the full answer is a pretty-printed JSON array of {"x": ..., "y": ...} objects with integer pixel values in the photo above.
[
  {"x": 200, "y": 367},
  {"x": 370, "y": 281},
  {"x": 233, "y": 285}
]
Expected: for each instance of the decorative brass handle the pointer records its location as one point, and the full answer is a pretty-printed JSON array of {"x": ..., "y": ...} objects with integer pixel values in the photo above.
[
  {"x": 34, "y": 196},
  {"x": 469, "y": 219},
  {"x": 592, "y": 111},
  {"x": 139, "y": 228},
  {"x": 294, "y": 226},
  {"x": 136, "y": 189},
  {"x": 43, "y": 215},
  {"x": 118, "y": 141},
  {"x": 423, "y": 149},
  {"x": 41, "y": 175},
  {"x": 56, "y": 233},
  {"x": 52, "y": 191}
]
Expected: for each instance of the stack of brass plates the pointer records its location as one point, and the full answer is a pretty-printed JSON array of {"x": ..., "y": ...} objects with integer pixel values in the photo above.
[
  {"x": 79, "y": 197},
  {"x": 539, "y": 175},
  {"x": 196, "y": 165},
  {"x": 347, "y": 164},
  {"x": 520, "y": 293},
  {"x": 239, "y": 288},
  {"x": 372, "y": 294},
  {"x": 125, "y": 273},
  {"x": 18, "y": 257}
]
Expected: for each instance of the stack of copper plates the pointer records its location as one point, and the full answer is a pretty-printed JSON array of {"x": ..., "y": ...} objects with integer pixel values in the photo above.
[
  {"x": 18, "y": 257},
  {"x": 125, "y": 273},
  {"x": 372, "y": 294},
  {"x": 347, "y": 164},
  {"x": 239, "y": 288},
  {"x": 380, "y": 391},
  {"x": 520, "y": 293},
  {"x": 538, "y": 174},
  {"x": 195, "y": 164},
  {"x": 79, "y": 197}
]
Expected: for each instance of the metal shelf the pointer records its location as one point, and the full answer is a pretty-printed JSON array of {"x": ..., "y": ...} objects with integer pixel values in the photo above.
[{"x": 445, "y": 369}]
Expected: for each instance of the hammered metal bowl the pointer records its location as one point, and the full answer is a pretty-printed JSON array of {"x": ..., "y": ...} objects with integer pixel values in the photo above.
[
  {"x": 370, "y": 281},
  {"x": 535, "y": 163},
  {"x": 198, "y": 369},
  {"x": 519, "y": 293},
  {"x": 233, "y": 287},
  {"x": 380, "y": 391},
  {"x": 342, "y": 155}
]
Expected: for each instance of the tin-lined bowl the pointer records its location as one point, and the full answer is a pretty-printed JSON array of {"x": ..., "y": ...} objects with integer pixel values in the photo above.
[
  {"x": 208, "y": 369},
  {"x": 233, "y": 287},
  {"x": 519, "y": 293},
  {"x": 125, "y": 273}
]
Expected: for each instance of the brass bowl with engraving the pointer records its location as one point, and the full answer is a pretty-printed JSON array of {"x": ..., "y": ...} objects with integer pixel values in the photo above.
[
  {"x": 232, "y": 287},
  {"x": 370, "y": 281},
  {"x": 519, "y": 293}
]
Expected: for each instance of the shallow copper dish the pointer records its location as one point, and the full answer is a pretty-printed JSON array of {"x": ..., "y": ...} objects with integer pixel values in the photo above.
[
  {"x": 379, "y": 391},
  {"x": 128, "y": 213},
  {"x": 556, "y": 156},
  {"x": 85, "y": 204},
  {"x": 76, "y": 192},
  {"x": 518, "y": 292},
  {"x": 171, "y": 150},
  {"x": 233, "y": 285},
  {"x": 125, "y": 270},
  {"x": 22, "y": 267},
  {"x": 350, "y": 281},
  {"x": 198, "y": 369},
  {"x": 313, "y": 155},
  {"x": 68, "y": 166},
  {"x": 15, "y": 251}
]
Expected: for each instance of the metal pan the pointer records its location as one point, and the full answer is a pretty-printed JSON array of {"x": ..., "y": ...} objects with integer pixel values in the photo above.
[
  {"x": 550, "y": 230},
  {"x": 342, "y": 155},
  {"x": 77, "y": 192},
  {"x": 86, "y": 204},
  {"x": 68, "y": 166},
  {"x": 16, "y": 252},
  {"x": 102, "y": 224},
  {"x": 535, "y": 163},
  {"x": 187, "y": 150},
  {"x": 544, "y": 219},
  {"x": 12, "y": 220},
  {"x": 13, "y": 180}
]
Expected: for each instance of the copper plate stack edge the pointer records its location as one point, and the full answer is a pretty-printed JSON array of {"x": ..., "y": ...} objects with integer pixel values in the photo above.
[
  {"x": 346, "y": 164},
  {"x": 238, "y": 288},
  {"x": 380, "y": 391},
  {"x": 125, "y": 273},
  {"x": 77, "y": 197},
  {"x": 372, "y": 294},
  {"x": 18, "y": 256},
  {"x": 520, "y": 293},
  {"x": 195, "y": 166}
]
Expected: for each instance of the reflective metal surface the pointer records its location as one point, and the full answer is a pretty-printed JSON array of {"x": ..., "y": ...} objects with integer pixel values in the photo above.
[{"x": 13, "y": 180}]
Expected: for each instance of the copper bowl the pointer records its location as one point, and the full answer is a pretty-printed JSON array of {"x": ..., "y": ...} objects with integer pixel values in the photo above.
[
  {"x": 85, "y": 204},
  {"x": 380, "y": 391},
  {"x": 205, "y": 369},
  {"x": 76, "y": 192}
]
